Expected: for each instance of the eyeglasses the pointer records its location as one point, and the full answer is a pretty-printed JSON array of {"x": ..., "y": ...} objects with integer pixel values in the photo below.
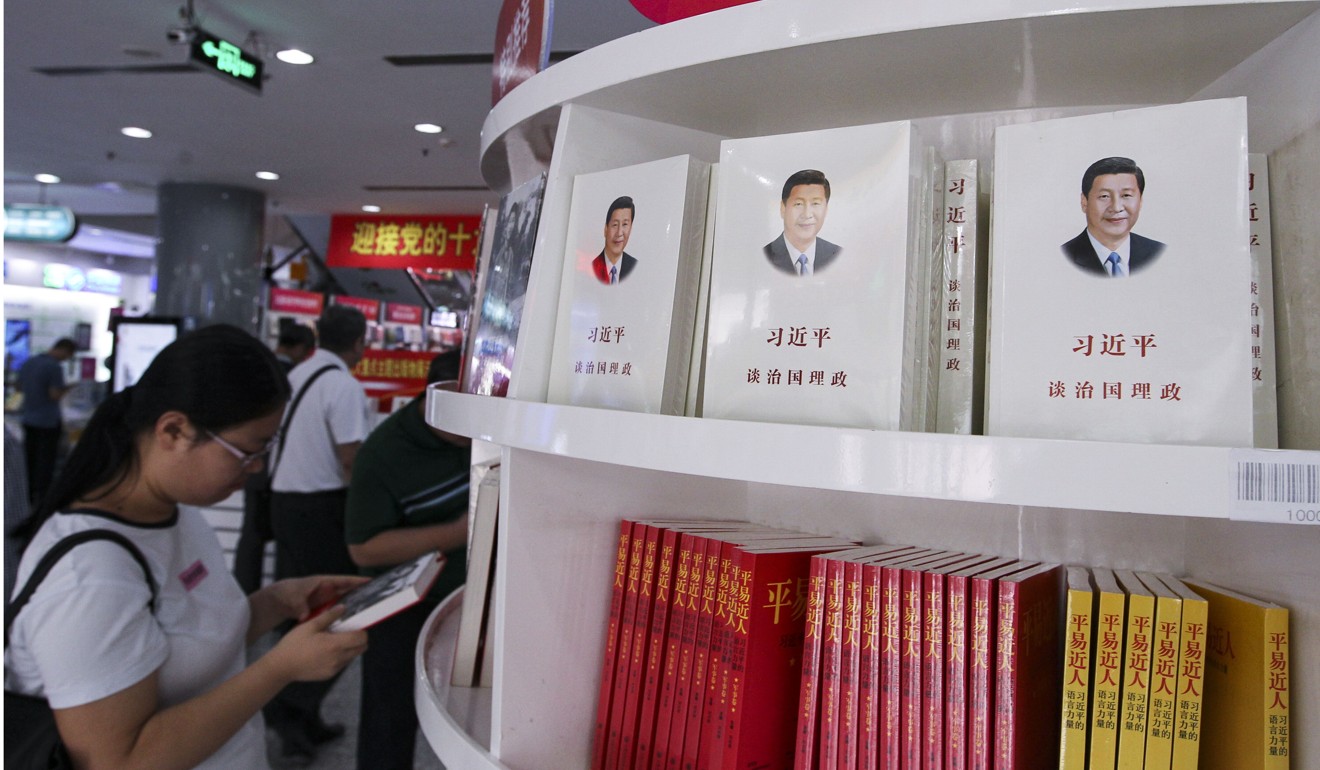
[{"x": 246, "y": 460}]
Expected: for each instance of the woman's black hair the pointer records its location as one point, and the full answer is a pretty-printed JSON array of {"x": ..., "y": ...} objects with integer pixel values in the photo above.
[{"x": 218, "y": 376}]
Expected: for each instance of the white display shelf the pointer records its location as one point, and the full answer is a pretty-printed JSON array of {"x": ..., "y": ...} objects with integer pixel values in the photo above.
[
  {"x": 746, "y": 70},
  {"x": 455, "y": 720},
  {"x": 1157, "y": 479}
]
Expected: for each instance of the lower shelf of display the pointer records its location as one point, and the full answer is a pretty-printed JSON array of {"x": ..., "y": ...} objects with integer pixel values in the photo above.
[{"x": 455, "y": 720}]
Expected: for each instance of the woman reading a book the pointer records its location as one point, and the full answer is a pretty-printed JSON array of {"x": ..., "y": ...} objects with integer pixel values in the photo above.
[{"x": 164, "y": 684}]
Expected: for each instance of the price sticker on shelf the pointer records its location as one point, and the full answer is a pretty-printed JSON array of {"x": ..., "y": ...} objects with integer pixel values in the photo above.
[{"x": 1275, "y": 485}]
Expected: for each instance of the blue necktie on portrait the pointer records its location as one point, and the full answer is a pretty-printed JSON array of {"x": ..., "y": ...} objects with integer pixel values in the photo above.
[
  {"x": 802, "y": 265},
  {"x": 614, "y": 274},
  {"x": 1114, "y": 261}
]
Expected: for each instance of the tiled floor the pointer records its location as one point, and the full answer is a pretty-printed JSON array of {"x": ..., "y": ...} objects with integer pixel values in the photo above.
[{"x": 341, "y": 706}]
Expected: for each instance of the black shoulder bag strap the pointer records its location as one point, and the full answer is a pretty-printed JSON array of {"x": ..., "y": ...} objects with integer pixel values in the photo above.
[
  {"x": 57, "y": 552},
  {"x": 288, "y": 417},
  {"x": 32, "y": 739}
]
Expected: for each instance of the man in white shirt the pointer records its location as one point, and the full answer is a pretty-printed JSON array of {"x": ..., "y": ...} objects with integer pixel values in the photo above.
[
  {"x": 803, "y": 204},
  {"x": 309, "y": 482},
  {"x": 1111, "y": 200}
]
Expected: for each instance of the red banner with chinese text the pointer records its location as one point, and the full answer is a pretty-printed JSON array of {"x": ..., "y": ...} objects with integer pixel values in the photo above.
[
  {"x": 401, "y": 368},
  {"x": 368, "y": 307},
  {"x": 400, "y": 313},
  {"x": 665, "y": 11},
  {"x": 447, "y": 242},
  {"x": 296, "y": 301}
]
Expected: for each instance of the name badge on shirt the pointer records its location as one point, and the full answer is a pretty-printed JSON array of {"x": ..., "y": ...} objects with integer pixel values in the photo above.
[{"x": 194, "y": 575}]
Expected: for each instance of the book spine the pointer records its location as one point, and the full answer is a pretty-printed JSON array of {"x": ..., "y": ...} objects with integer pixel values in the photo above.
[
  {"x": 981, "y": 642},
  {"x": 831, "y": 661},
  {"x": 1278, "y": 695},
  {"x": 623, "y": 659},
  {"x": 932, "y": 669},
  {"x": 671, "y": 710},
  {"x": 714, "y": 711},
  {"x": 891, "y": 664},
  {"x": 1027, "y": 670},
  {"x": 1136, "y": 681},
  {"x": 608, "y": 663},
  {"x": 701, "y": 654},
  {"x": 868, "y": 671},
  {"x": 957, "y": 613},
  {"x": 958, "y": 356},
  {"x": 1163, "y": 684},
  {"x": 1107, "y": 678},
  {"x": 1264, "y": 377},
  {"x": 1076, "y": 680},
  {"x": 808, "y": 732},
  {"x": 657, "y": 649},
  {"x": 850, "y": 664},
  {"x": 910, "y": 738},
  {"x": 1191, "y": 684},
  {"x": 641, "y": 647}
]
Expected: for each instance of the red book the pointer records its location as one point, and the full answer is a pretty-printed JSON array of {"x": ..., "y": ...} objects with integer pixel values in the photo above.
[
  {"x": 957, "y": 652},
  {"x": 911, "y": 740},
  {"x": 766, "y": 659},
  {"x": 830, "y": 661},
  {"x": 623, "y": 656},
  {"x": 670, "y": 719},
  {"x": 640, "y": 645},
  {"x": 1028, "y": 676},
  {"x": 656, "y": 648},
  {"x": 687, "y": 665},
  {"x": 889, "y": 710},
  {"x": 849, "y": 664},
  {"x": 981, "y": 640},
  {"x": 808, "y": 732},
  {"x": 868, "y": 666},
  {"x": 934, "y": 611},
  {"x": 608, "y": 663}
]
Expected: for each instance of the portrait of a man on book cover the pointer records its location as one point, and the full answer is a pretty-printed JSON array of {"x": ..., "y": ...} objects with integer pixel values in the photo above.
[
  {"x": 1112, "y": 190},
  {"x": 614, "y": 264},
  {"x": 803, "y": 204}
]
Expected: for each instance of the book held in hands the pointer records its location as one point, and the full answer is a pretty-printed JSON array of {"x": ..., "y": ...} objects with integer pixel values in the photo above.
[{"x": 389, "y": 593}]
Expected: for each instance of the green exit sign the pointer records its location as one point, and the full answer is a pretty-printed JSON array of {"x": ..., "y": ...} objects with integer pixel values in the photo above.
[{"x": 226, "y": 60}]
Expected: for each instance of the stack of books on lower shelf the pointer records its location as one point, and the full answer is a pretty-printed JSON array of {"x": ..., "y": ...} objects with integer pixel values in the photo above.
[{"x": 733, "y": 646}]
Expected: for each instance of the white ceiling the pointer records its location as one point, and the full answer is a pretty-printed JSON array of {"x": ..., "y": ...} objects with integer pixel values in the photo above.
[{"x": 330, "y": 129}]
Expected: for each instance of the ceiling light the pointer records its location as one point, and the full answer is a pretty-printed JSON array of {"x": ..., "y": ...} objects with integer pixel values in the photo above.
[
  {"x": 268, "y": 175},
  {"x": 371, "y": 208},
  {"x": 47, "y": 178},
  {"x": 428, "y": 128},
  {"x": 294, "y": 56},
  {"x": 135, "y": 132}
]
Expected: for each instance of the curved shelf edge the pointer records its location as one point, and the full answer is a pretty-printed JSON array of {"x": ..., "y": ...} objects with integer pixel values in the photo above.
[
  {"x": 436, "y": 703},
  {"x": 1087, "y": 475}
]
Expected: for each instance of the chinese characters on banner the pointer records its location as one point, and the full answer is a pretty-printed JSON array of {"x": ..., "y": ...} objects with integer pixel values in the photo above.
[
  {"x": 368, "y": 307},
  {"x": 797, "y": 337},
  {"x": 402, "y": 368},
  {"x": 296, "y": 302},
  {"x": 604, "y": 335},
  {"x": 400, "y": 313},
  {"x": 396, "y": 242},
  {"x": 522, "y": 44}
]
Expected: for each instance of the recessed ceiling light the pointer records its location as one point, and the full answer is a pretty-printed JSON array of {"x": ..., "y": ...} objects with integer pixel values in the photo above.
[
  {"x": 428, "y": 128},
  {"x": 371, "y": 208},
  {"x": 47, "y": 178},
  {"x": 294, "y": 56},
  {"x": 135, "y": 132},
  {"x": 268, "y": 175}
]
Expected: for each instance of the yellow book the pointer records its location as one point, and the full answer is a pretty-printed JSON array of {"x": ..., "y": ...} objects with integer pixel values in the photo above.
[
  {"x": 1191, "y": 675},
  {"x": 1107, "y": 669},
  {"x": 1076, "y": 670},
  {"x": 1135, "y": 697},
  {"x": 1247, "y": 701},
  {"x": 1163, "y": 674}
]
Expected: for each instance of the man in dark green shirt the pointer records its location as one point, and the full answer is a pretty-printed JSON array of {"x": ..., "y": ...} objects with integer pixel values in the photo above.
[{"x": 408, "y": 496}]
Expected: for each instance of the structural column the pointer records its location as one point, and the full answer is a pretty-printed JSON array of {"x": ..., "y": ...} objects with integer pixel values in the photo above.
[{"x": 209, "y": 258}]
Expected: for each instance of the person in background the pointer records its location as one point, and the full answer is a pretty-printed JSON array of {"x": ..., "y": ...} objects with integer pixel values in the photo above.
[
  {"x": 408, "y": 496},
  {"x": 167, "y": 686},
  {"x": 309, "y": 485},
  {"x": 41, "y": 380},
  {"x": 295, "y": 343}
]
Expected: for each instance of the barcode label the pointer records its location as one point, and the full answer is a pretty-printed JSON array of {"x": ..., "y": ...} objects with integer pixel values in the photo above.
[{"x": 1278, "y": 483}]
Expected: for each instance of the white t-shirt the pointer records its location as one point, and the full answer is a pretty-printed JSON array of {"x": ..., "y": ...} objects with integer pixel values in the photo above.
[
  {"x": 333, "y": 412},
  {"x": 88, "y": 632}
]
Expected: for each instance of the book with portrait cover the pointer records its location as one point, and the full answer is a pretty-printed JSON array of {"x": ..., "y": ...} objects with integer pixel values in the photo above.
[
  {"x": 389, "y": 593},
  {"x": 495, "y": 332},
  {"x": 814, "y": 288},
  {"x": 628, "y": 298},
  {"x": 1107, "y": 671},
  {"x": 1247, "y": 722},
  {"x": 1027, "y": 670},
  {"x": 1159, "y": 352},
  {"x": 1264, "y": 377},
  {"x": 961, "y": 370}
]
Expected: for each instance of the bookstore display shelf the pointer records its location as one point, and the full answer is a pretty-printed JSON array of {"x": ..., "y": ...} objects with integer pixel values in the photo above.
[
  {"x": 455, "y": 720},
  {"x": 1157, "y": 479}
]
